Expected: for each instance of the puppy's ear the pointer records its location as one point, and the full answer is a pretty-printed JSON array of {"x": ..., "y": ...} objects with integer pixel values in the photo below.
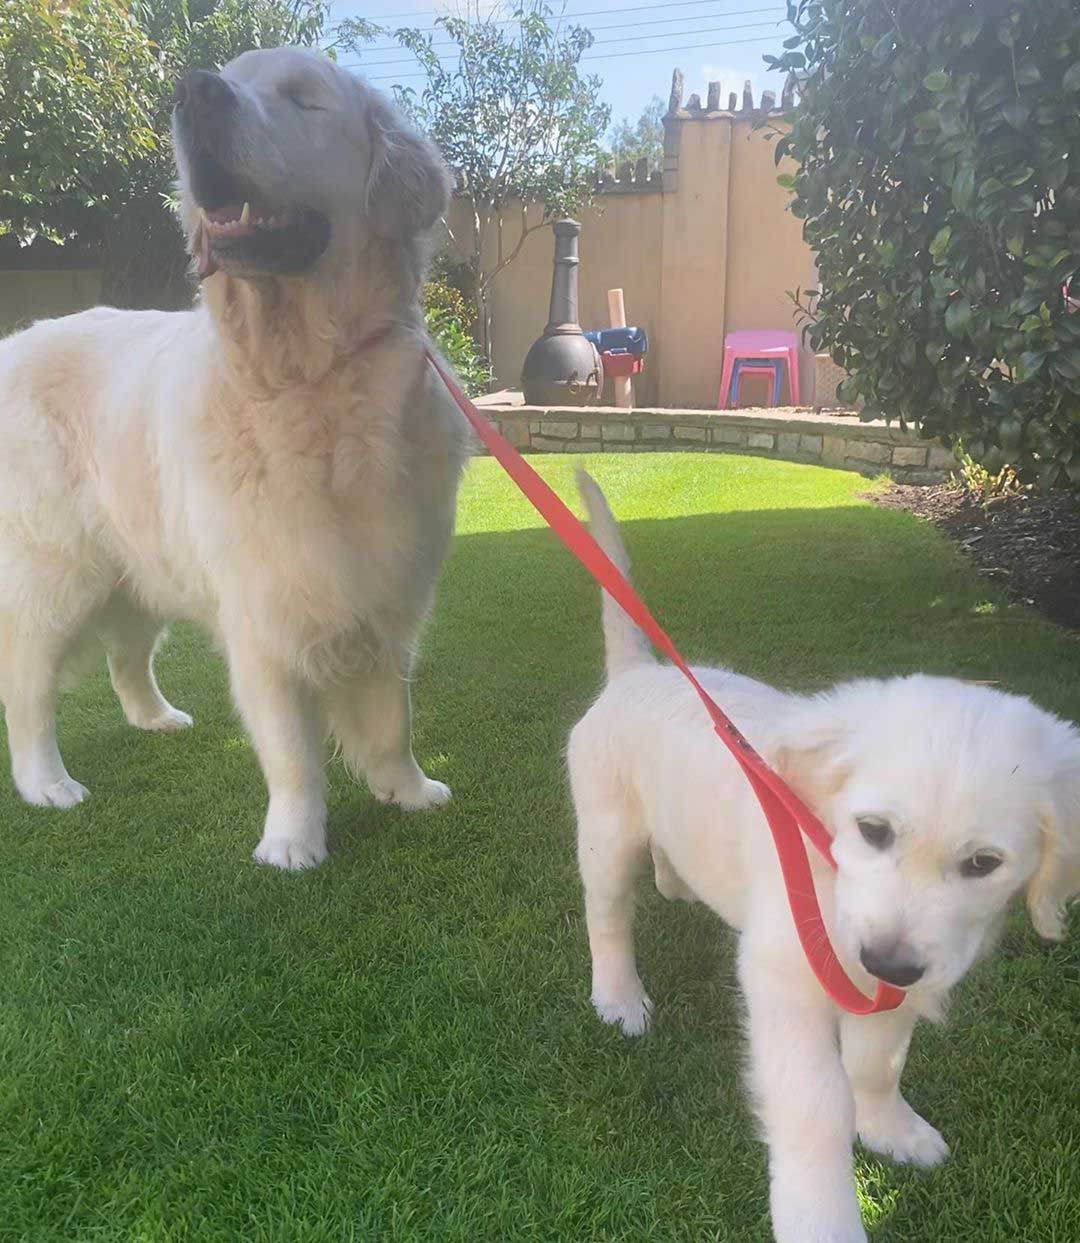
[
  {"x": 811, "y": 753},
  {"x": 408, "y": 185},
  {"x": 1057, "y": 878}
]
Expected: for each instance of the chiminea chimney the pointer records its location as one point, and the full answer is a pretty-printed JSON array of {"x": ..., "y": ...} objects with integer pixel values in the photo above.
[{"x": 563, "y": 367}]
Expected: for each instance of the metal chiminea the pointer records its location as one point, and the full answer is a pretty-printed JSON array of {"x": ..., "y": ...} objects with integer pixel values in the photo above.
[{"x": 563, "y": 368}]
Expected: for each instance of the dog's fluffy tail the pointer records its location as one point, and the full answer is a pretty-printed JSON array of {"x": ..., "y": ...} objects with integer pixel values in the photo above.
[{"x": 624, "y": 644}]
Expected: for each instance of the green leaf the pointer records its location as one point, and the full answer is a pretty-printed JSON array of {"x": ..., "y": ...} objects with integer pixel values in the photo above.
[
  {"x": 1029, "y": 365},
  {"x": 940, "y": 243},
  {"x": 884, "y": 46},
  {"x": 927, "y": 120},
  {"x": 963, "y": 187},
  {"x": 1016, "y": 114},
  {"x": 969, "y": 27},
  {"x": 1071, "y": 80},
  {"x": 958, "y": 317},
  {"x": 1011, "y": 431},
  {"x": 937, "y": 81},
  {"x": 787, "y": 180}
]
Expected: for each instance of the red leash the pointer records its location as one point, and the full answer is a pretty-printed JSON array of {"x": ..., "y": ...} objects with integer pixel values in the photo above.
[{"x": 784, "y": 810}]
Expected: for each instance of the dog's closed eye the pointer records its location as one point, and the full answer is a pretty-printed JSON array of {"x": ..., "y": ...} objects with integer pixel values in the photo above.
[
  {"x": 302, "y": 99},
  {"x": 981, "y": 863},
  {"x": 877, "y": 833}
]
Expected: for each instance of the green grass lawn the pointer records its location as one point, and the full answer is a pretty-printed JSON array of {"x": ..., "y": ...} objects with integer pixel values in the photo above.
[{"x": 399, "y": 1045}]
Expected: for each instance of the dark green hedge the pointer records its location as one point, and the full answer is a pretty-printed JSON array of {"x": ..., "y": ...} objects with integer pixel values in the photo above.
[{"x": 938, "y": 150}]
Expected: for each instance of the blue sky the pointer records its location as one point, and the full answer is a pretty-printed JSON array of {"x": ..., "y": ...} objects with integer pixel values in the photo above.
[{"x": 708, "y": 39}]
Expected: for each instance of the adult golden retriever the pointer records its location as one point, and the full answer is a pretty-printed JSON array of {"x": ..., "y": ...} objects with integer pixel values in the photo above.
[{"x": 279, "y": 465}]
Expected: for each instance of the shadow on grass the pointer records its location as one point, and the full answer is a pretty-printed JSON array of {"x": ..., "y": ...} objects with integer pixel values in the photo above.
[
  {"x": 800, "y": 598},
  {"x": 404, "y": 1034}
]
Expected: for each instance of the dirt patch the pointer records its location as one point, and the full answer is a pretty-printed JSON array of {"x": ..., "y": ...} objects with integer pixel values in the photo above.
[{"x": 1029, "y": 544}]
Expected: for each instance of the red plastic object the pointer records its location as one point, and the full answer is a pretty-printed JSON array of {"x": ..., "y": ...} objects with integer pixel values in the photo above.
[{"x": 621, "y": 364}]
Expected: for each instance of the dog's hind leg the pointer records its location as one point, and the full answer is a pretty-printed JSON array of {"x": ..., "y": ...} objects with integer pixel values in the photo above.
[
  {"x": 371, "y": 718},
  {"x": 612, "y": 845},
  {"x": 669, "y": 883},
  {"x": 131, "y": 637},
  {"x": 610, "y": 854},
  {"x": 29, "y": 683},
  {"x": 874, "y": 1050}
]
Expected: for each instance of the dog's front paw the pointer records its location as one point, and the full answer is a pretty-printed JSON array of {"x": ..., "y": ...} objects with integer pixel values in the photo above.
[
  {"x": 896, "y": 1130},
  {"x": 66, "y": 792},
  {"x": 169, "y": 720},
  {"x": 633, "y": 1013},
  {"x": 291, "y": 854}
]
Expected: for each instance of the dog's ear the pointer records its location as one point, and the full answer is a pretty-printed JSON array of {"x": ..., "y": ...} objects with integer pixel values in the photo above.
[
  {"x": 1056, "y": 881},
  {"x": 408, "y": 186},
  {"x": 811, "y": 753}
]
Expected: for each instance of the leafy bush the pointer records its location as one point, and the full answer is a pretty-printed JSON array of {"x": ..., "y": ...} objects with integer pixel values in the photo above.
[
  {"x": 447, "y": 315},
  {"x": 85, "y": 101},
  {"x": 936, "y": 143}
]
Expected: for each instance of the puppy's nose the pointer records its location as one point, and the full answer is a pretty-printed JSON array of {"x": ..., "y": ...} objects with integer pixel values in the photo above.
[
  {"x": 892, "y": 966},
  {"x": 204, "y": 92}
]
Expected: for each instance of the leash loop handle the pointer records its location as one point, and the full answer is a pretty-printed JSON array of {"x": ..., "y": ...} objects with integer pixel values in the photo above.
[{"x": 787, "y": 815}]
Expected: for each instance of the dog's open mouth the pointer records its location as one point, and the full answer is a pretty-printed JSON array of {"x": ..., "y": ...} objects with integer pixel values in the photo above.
[
  {"x": 241, "y": 234},
  {"x": 245, "y": 238}
]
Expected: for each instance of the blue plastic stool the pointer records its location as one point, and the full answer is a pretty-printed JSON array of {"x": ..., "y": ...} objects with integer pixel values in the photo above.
[{"x": 775, "y": 365}]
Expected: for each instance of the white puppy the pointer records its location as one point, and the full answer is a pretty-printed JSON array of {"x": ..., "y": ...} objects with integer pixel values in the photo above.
[
  {"x": 279, "y": 465},
  {"x": 943, "y": 800}
]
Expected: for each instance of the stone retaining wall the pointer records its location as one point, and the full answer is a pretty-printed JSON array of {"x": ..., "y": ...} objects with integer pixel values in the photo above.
[{"x": 794, "y": 436}]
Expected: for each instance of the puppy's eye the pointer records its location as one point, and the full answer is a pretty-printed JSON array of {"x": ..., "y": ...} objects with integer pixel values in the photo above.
[
  {"x": 981, "y": 863},
  {"x": 876, "y": 833}
]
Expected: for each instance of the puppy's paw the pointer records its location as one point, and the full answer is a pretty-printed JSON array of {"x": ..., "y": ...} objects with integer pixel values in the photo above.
[
  {"x": 66, "y": 792},
  {"x": 898, "y": 1132},
  {"x": 633, "y": 1014},
  {"x": 806, "y": 1230},
  {"x": 170, "y": 720},
  {"x": 291, "y": 854}
]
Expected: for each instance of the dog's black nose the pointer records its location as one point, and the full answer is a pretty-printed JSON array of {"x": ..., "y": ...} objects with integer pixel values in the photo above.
[
  {"x": 891, "y": 967},
  {"x": 203, "y": 91}
]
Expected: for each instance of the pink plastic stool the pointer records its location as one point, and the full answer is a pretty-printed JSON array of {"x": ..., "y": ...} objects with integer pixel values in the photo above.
[{"x": 754, "y": 344}]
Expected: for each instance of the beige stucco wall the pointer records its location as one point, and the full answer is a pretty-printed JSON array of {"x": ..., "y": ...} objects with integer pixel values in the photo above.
[
  {"x": 767, "y": 258},
  {"x": 715, "y": 250},
  {"x": 26, "y": 296}
]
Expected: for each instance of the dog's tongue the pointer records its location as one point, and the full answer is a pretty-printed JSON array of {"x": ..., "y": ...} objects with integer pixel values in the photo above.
[{"x": 206, "y": 265}]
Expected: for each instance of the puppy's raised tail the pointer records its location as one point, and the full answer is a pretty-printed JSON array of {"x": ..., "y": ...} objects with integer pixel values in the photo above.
[{"x": 624, "y": 644}]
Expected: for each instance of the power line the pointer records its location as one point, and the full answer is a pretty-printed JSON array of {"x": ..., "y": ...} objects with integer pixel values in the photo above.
[
  {"x": 663, "y": 21},
  {"x": 674, "y": 34},
  {"x": 564, "y": 14},
  {"x": 686, "y": 47}
]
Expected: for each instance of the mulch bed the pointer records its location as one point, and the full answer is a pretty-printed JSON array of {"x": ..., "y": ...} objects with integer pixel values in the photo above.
[{"x": 1028, "y": 544}]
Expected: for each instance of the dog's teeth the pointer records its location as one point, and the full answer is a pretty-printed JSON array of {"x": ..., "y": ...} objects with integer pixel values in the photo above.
[{"x": 245, "y": 214}]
